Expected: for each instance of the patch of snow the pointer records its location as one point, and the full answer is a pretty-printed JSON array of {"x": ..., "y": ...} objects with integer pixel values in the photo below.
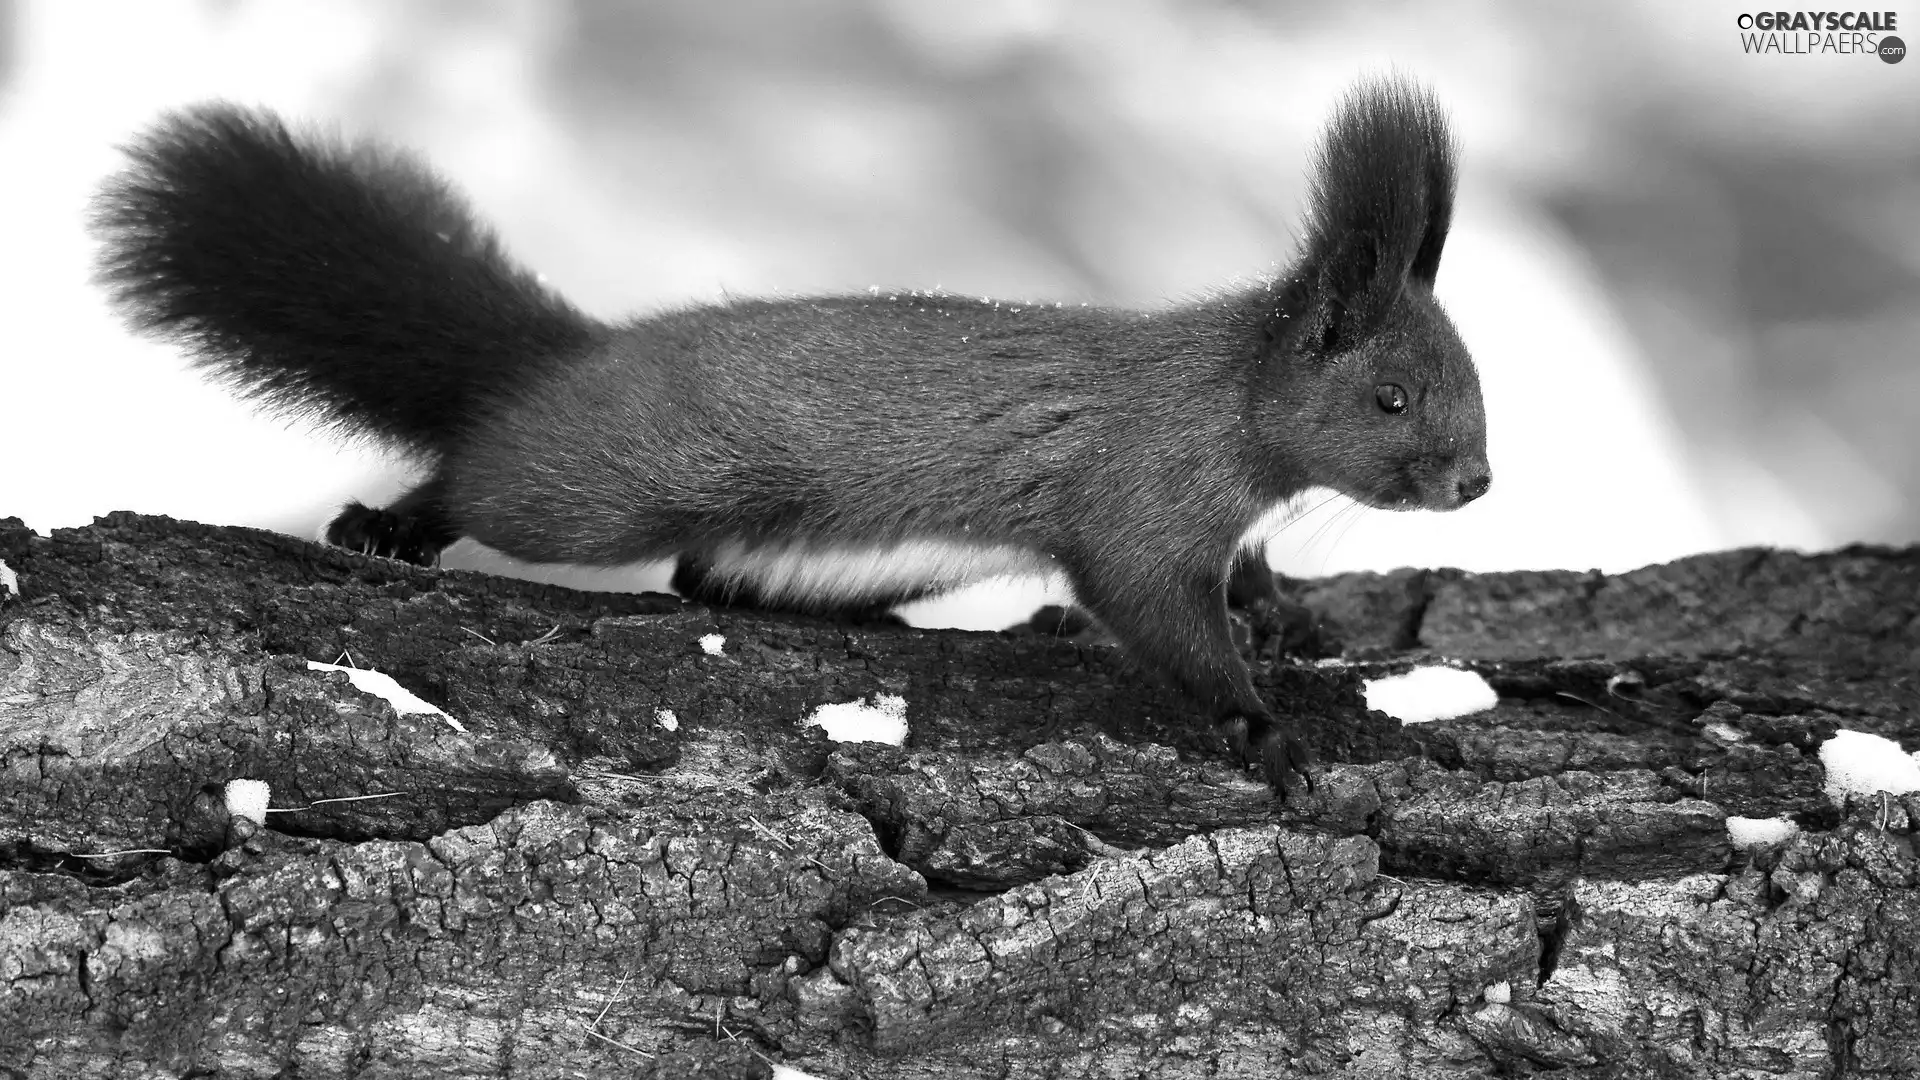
[
  {"x": 382, "y": 685},
  {"x": 712, "y": 644},
  {"x": 248, "y": 799},
  {"x": 9, "y": 580},
  {"x": 1747, "y": 832},
  {"x": 884, "y": 721},
  {"x": 1860, "y": 764},
  {"x": 1430, "y": 693}
]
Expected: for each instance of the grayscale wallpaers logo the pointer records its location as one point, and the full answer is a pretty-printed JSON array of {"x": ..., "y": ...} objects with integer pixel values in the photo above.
[{"x": 1823, "y": 33}]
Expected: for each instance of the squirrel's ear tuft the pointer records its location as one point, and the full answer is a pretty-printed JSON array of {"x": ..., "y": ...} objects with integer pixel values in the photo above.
[
  {"x": 1331, "y": 304},
  {"x": 1382, "y": 201}
]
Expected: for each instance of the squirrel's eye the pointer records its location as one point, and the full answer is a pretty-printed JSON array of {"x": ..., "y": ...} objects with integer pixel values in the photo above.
[{"x": 1391, "y": 398}]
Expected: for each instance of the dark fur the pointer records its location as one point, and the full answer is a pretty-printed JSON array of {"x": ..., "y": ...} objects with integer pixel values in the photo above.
[
  {"x": 344, "y": 281},
  {"x": 1131, "y": 449}
]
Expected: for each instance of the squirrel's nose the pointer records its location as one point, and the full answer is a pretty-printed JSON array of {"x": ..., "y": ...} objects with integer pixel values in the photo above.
[{"x": 1474, "y": 486}]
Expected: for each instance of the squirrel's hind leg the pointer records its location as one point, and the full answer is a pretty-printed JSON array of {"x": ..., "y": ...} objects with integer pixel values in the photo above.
[{"x": 414, "y": 529}]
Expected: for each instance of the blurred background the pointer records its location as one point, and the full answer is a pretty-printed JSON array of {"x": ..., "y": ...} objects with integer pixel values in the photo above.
[{"x": 1690, "y": 275}]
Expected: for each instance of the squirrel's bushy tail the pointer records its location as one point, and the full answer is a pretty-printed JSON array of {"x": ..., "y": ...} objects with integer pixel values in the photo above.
[{"x": 341, "y": 281}]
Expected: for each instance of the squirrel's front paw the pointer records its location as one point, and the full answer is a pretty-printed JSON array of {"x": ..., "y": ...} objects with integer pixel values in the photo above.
[
  {"x": 1275, "y": 747},
  {"x": 385, "y": 533}
]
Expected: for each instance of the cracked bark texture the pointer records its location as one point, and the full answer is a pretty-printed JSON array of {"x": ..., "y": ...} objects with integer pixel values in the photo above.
[{"x": 1061, "y": 875}]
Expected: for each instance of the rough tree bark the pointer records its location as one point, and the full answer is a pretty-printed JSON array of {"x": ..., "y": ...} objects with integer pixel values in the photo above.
[{"x": 638, "y": 861}]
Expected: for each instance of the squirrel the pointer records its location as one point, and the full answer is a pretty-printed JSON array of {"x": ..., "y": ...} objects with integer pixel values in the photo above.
[{"x": 831, "y": 455}]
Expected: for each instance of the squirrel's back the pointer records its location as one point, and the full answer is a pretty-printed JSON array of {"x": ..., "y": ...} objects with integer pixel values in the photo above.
[
  {"x": 862, "y": 420},
  {"x": 343, "y": 281}
]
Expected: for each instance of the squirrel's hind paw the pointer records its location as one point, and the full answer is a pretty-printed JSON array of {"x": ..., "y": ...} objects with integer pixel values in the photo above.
[{"x": 391, "y": 535}]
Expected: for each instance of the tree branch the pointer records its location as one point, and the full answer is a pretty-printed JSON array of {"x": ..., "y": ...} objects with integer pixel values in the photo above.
[{"x": 637, "y": 857}]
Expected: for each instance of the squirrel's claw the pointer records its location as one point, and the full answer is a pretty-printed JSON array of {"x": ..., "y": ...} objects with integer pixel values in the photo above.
[
  {"x": 1275, "y": 748},
  {"x": 384, "y": 533}
]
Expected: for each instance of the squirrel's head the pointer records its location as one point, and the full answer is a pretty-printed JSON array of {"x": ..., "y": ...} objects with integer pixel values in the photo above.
[{"x": 1364, "y": 385}]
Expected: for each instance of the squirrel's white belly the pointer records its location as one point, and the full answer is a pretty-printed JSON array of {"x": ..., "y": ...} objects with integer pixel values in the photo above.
[{"x": 802, "y": 572}]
